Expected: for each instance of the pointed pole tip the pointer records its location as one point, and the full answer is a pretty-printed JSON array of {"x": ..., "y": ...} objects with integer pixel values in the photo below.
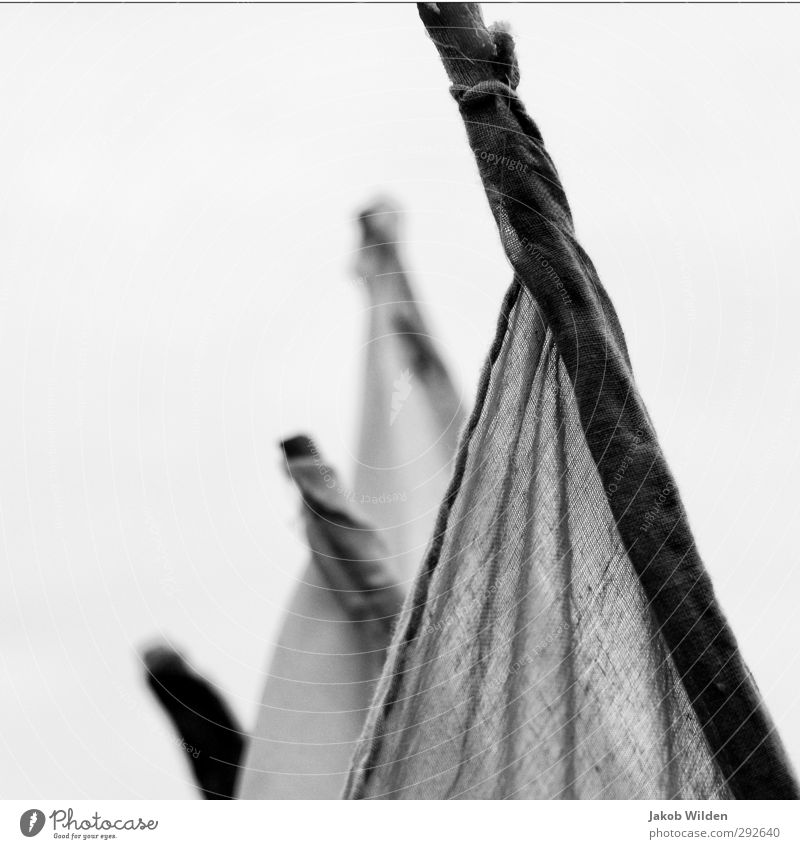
[{"x": 296, "y": 447}]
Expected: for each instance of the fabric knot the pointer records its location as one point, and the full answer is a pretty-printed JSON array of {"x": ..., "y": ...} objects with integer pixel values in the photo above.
[{"x": 465, "y": 95}]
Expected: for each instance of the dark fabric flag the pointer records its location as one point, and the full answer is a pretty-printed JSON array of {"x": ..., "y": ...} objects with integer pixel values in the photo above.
[
  {"x": 563, "y": 639},
  {"x": 211, "y": 737}
]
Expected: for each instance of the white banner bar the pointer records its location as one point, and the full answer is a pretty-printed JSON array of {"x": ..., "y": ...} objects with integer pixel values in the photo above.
[{"x": 385, "y": 825}]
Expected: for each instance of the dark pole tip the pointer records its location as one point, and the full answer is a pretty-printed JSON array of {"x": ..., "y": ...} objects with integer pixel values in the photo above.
[
  {"x": 380, "y": 223},
  {"x": 162, "y": 659},
  {"x": 297, "y": 447}
]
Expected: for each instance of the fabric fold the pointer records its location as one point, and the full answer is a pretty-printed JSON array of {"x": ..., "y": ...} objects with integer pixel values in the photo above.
[
  {"x": 367, "y": 541},
  {"x": 563, "y": 639},
  {"x": 331, "y": 646},
  {"x": 411, "y": 413}
]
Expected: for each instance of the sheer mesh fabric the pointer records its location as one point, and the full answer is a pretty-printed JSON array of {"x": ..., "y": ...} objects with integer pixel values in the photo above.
[
  {"x": 563, "y": 638},
  {"x": 330, "y": 649},
  {"x": 326, "y": 661},
  {"x": 529, "y": 665}
]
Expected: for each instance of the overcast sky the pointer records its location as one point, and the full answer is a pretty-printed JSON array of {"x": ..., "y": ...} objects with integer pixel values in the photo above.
[{"x": 177, "y": 192}]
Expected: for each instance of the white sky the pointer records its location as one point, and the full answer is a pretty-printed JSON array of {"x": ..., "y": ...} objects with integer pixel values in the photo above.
[{"x": 176, "y": 200}]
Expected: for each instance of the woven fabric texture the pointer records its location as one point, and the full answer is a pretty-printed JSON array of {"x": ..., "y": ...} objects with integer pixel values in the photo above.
[
  {"x": 531, "y": 666},
  {"x": 331, "y": 647},
  {"x": 563, "y": 639},
  {"x": 367, "y": 539}
]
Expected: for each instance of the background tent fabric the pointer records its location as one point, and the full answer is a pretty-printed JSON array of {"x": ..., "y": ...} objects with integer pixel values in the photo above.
[
  {"x": 563, "y": 639},
  {"x": 326, "y": 662},
  {"x": 411, "y": 414},
  {"x": 331, "y": 648}
]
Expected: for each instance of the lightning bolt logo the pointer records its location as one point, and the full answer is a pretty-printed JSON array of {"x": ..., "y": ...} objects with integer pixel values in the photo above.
[
  {"x": 402, "y": 389},
  {"x": 31, "y": 822}
]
